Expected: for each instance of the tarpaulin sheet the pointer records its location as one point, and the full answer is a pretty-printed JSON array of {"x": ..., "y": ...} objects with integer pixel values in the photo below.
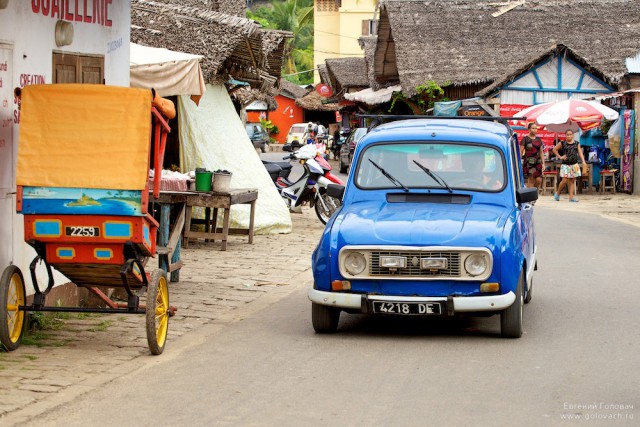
[
  {"x": 84, "y": 136},
  {"x": 168, "y": 72},
  {"x": 373, "y": 97},
  {"x": 446, "y": 109},
  {"x": 212, "y": 136}
]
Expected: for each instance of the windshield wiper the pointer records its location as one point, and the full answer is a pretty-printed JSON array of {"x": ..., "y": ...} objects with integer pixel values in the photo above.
[
  {"x": 435, "y": 177},
  {"x": 389, "y": 176}
]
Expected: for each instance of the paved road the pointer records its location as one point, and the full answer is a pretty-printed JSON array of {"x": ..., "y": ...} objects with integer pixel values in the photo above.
[{"x": 578, "y": 357}]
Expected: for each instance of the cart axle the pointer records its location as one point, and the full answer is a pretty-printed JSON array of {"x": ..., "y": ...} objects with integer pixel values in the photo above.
[{"x": 83, "y": 310}]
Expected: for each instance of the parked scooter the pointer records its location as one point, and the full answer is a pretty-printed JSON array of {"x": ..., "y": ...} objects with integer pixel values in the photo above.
[
  {"x": 277, "y": 169},
  {"x": 312, "y": 185}
]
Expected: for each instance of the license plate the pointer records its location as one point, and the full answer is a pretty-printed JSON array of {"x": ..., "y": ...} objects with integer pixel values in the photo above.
[
  {"x": 409, "y": 308},
  {"x": 82, "y": 231}
]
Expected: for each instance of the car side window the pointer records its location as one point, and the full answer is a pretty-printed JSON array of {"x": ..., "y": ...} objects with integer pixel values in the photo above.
[{"x": 517, "y": 165}]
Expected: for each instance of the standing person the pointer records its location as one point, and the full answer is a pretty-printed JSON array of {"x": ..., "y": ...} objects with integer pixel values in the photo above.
[
  {"x": 309, "y": 133},
  {"x": 569, "y": 170},
  {"x": 531, "y": 150}
]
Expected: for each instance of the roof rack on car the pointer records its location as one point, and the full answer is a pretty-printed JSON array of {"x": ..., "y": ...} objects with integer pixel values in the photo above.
[
  {"x": 408, "y": 116},
  {"x": 499, "y": 119}
]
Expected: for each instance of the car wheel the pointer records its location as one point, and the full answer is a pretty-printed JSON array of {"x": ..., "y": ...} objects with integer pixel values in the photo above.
[
  {"x": 265, "y": 147},
  {"x": 324, "y": 319},
  {"x": 343, "y": 167},
  {"x": 511, "y": 318},
  {"x": 528, "y": 294}
]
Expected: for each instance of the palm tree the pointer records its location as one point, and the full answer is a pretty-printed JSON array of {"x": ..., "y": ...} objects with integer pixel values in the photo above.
[{"x": 294, "y": 16}]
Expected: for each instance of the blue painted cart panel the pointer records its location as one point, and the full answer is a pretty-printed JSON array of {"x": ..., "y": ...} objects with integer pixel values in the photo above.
[{"x": 80, "y": 201}]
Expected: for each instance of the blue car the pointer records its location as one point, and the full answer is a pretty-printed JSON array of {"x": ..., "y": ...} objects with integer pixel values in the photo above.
[{"x": 435, "y": 221}]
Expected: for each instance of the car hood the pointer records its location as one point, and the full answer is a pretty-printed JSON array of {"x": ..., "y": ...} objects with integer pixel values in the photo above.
[{"x": 422, "y": 224}]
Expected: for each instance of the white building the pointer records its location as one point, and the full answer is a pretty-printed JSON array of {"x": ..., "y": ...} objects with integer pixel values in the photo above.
[{"x": 51, "y": 41}]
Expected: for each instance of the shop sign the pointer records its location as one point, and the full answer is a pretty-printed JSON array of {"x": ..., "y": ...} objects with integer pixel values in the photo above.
[
  {"x": 88, "y": 11},
  {"x": 520, "y": 127},
  {"x": 508, "y": 110},
  {"x": 472, "y": 111},
  {"x": 324, "y": 90},
  {"x": 338, "y": 117}
]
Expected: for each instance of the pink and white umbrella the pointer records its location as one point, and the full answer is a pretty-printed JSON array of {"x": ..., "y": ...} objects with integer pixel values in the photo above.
[{"x": 573, "y": 114}]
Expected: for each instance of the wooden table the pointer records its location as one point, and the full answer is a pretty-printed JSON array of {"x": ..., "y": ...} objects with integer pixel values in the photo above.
[
  {"x": 589, "y": 177},
  {"x": 212, "y": 201}
]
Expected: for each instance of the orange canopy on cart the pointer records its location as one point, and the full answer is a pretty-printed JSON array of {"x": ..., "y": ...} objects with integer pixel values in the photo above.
[{"x": 84, "y": 136}]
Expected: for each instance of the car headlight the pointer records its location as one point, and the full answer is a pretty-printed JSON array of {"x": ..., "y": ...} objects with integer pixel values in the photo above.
[
  {"x": 355, "y": 263},
  {"x": 475, "y": 264}
]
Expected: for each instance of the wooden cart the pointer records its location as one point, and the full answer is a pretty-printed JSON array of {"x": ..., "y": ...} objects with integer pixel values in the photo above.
[{"x": 82, "y": 186}]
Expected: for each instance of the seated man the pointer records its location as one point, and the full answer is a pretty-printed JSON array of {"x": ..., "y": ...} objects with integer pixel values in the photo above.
[{"x": 473, "y": 164}]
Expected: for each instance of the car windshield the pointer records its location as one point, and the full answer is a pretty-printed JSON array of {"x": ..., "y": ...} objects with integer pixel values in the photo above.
[
  {"x": 252, "y": 129},
  {"x": 460, "y": 166},
  {"x": 297, "y": 129}
]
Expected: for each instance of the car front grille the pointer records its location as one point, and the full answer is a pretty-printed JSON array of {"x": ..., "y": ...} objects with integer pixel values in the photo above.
[{"x": 412, "y": 268}]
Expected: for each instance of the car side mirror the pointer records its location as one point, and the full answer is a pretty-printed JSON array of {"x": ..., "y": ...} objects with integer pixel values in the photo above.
[
  {"x": 335, "y": 190},
  {"x": 287, "y": 148},
  {"x": 526, "y": 195}
]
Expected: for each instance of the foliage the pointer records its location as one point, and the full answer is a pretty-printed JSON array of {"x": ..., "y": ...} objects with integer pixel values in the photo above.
[
  {"x": 271, "y": 128},
  {"x": 295, "y": 16},
  {"x": 100, "y": 327},
  {"x": 427, "y": 94}
]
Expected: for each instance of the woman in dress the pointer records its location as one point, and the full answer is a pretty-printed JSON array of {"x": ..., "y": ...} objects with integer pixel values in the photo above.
[
  {"x": 570, "y": 169},
  {"x": 532, "y": 157}
]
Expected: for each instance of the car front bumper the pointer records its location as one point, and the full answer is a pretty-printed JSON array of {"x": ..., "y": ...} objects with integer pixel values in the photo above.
[{"x": 359, "y": 302}]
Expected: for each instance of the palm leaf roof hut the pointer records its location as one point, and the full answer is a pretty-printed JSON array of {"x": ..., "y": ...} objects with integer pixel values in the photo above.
[
  {"x": 233, "y": 47},
  {"x": 368, "y": 44},
  {"x": 346, "y": 75},
  {"x": 292, "y": 90},
  {"x": 461, "y": 43}
]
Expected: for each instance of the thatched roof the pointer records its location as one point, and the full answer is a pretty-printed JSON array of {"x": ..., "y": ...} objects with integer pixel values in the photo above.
[
  {"x": 229, "y": 7},
  {"x": 314, "y": 101},
  {"x": 347, "y": 73},
  {"x": 231, "y": 46},
  {"x": 324, "y": 74},
  {"x": 368, "y": 44},
  {"x": 292, "y": 90},
  {"x": 460, "y": 42},
  {"x": 246, "y": 96},
  {"x": 553, "y": 51}
]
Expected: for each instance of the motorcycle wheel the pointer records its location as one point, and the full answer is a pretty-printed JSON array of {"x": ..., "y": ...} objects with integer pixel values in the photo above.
[{"x": 332, "y": 204}]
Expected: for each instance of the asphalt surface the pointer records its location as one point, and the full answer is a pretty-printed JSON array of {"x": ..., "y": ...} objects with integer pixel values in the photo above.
[{"x": 577, "y": 358}]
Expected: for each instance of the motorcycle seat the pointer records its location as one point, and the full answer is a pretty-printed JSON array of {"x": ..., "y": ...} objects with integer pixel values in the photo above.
[{"x": 283, "y": 165}]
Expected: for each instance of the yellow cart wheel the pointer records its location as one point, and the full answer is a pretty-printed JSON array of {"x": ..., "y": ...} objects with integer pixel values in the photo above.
[
  {"x": 157, "y": 311},
  {"x": 12, "y": 296}
]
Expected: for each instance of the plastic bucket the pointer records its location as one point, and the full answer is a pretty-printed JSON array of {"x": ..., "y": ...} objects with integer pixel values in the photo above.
[
  {"x": 221, "y": 182},
  {"x": 203, "y": 181}
]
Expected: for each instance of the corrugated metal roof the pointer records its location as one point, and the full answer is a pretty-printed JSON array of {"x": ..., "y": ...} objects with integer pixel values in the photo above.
[{"x": 633, "y": 64}]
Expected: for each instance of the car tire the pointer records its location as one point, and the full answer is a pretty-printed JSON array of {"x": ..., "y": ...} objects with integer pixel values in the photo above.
[
  {"x": 511, "y": 318},
  {"x": 529, "y": 294},
  {"x": 264, "y": 147},
  {"x": 324, "y": 319}
]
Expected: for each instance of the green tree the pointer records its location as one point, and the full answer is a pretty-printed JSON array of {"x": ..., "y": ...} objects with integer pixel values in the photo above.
[
  {"x": 426, "y": 95},
  {"x": 295, "y": 16}
]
